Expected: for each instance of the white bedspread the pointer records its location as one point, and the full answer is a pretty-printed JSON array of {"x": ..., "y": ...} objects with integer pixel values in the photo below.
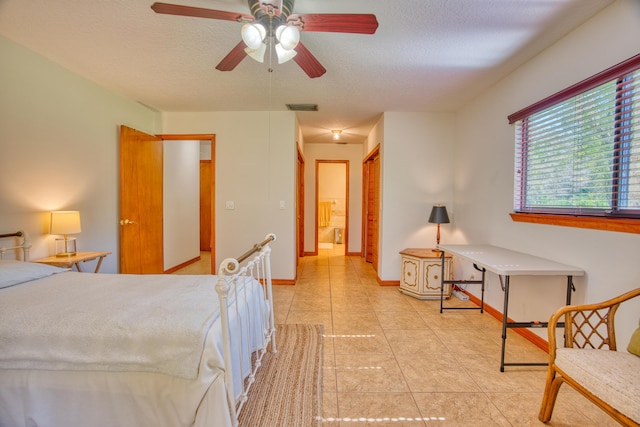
[
  {"x": 105, "y": 322},
  {"x": 108, "y": 350}
]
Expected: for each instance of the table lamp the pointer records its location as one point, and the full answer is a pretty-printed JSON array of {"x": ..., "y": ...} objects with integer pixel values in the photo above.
[
  {"x": 438, "y": 216},
  {"x": 65, "y": 223}
]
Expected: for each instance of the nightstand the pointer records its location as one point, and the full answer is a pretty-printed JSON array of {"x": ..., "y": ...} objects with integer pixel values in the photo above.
[
  {"x": 420, "y": 273},
  {"x": 70, "y": 261}
]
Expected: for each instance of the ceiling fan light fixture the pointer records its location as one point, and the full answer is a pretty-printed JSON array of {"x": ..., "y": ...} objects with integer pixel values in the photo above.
[
  {"x": 253, "y": 35},
  {"x": 284, "y": 55},
  {"x": 257, "y": 54},
  {"x": 288, "y": 36},
  {"x": 336, "y": 134}
]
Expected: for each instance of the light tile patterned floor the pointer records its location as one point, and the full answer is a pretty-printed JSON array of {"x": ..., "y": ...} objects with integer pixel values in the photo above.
[
  {"x": 392, "y": 360},
  {"x": 201, "y": 267}
]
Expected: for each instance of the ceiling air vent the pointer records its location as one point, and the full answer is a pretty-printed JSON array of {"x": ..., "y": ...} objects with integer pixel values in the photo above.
[{"x": 302, "y": 107}]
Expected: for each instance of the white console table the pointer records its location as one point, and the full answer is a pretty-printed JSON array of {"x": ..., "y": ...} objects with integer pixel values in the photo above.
[{"x": 506, "y": 263}]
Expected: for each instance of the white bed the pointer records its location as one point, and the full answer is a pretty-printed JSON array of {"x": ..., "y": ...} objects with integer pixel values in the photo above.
[{"x": 82, "y": 349}]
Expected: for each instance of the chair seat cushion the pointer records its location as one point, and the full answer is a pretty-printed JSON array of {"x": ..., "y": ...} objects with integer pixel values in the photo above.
[{"x": 612, "y": 376}]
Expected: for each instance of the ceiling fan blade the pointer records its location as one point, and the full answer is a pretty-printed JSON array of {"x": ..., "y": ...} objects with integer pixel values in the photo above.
[
  {"x": 308, "y": 62},
  {"x": 233, "y": 58},
  {"x": 198, "y": 12},
  {"x": 359, "y": 23}
]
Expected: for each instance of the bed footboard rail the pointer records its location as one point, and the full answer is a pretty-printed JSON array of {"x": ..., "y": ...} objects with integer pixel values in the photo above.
[
  {"x": 24, "y": 246},
  {"x": 249, "y": 337}
]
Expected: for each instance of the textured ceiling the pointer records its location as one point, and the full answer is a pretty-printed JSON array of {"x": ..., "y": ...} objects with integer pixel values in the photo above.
[{"x": 427, "y": 55}]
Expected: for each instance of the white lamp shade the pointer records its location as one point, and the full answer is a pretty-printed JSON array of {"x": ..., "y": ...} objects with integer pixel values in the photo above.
[
  {"x": 257, "y": 54},
  {"x": 65, "y": 222},
  {"x": 288, "y": 36},
  {"x": 253, "y": 34},
  {"x": 284, "y": 55}
]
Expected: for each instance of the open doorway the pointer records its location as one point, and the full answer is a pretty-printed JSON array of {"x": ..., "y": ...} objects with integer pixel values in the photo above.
[
  {"x": 142, "y": 200},
  {"x": 332, "y": 205},
  {"x": 189, "y": 211}
]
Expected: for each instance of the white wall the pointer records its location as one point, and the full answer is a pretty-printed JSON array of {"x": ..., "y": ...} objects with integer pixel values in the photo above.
[
  {"x": 375, "y": 137},
  {"x": 417, "y": 167},
  {"x": 352, "y": 153},
  {"x": 484, "y": 176},
  {"x": 59, "y": 149},
  {"x": 181, "y": 202},
  {"x": 255, "y": 163}
]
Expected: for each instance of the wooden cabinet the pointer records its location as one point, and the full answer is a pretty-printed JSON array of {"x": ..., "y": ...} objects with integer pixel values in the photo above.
[{"x": 421, "y": 273}]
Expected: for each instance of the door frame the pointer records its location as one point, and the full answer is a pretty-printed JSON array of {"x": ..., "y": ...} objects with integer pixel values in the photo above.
[
  {"x": 346, "y": 183},
  {"x": 300, "y": 207},
  {"x": 368, "y": 161},
  {"x": 212, "y": 138},
  {"x": 206, "y": 168}
]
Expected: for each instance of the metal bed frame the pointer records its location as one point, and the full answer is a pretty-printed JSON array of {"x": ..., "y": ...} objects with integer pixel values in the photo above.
[
  {"x": 25, "y": 246},
  {"x": 231, "y": 274}
]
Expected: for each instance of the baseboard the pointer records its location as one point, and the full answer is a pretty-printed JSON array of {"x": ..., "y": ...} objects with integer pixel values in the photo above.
[
  {"x": 526, "y": 333},
  {"x": 388, "y": 282},
  {"x": 315, "y": 253},
  {"x": 184, "y": 264},
  {"x": 288, "y": 282}
]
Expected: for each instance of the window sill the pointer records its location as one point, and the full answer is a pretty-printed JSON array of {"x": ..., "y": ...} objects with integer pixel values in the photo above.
[{"x": 623, "y": 225}]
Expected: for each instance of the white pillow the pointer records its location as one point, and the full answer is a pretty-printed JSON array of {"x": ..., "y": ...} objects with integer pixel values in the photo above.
[{"x": 14, "y": 272}]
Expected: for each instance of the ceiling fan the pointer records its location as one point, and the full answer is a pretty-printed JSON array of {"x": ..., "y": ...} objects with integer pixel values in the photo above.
[{"x": 275, "y": 23}]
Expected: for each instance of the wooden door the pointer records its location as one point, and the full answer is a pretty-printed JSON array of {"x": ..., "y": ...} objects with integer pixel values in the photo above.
[
  {"x": 371, "y": 170},
  {"x": 205, "y": 205},
  {"x": 375, "y": 209},
  {"x": 141, "y": 234},
  {"x": 300, "y": 207}
]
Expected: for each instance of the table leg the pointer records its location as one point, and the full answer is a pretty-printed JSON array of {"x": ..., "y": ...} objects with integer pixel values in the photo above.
[
  {"x": 77, "y": 264},
  {"x": 99, "y": 263},
  {"x": 442, "y": 281},
  {"x": 483, "y": 271},
  {"x": 504, "y": 321},
  {"x": 570, "y": 289}
]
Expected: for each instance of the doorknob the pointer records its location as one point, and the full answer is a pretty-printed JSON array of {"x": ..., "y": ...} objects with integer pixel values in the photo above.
[{"x": 126, "y": 222}]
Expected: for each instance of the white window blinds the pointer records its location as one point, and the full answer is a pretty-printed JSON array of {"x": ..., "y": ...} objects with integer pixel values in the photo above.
[{"x": 579, "y": 153}]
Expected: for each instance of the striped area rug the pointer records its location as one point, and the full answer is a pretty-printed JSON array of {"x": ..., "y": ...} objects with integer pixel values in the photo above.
[{"x": 288, "y": 387}]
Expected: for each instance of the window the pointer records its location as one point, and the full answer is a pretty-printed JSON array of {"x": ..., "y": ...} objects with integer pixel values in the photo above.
[{"x": 578, "y": 151}]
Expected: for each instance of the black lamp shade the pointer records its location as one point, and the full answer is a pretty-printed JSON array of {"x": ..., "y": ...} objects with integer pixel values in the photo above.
[{"x": 439, "y": 215}]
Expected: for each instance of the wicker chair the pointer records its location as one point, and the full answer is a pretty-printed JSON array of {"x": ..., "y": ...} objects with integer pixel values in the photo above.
[{"x": 590, "y": 362}]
